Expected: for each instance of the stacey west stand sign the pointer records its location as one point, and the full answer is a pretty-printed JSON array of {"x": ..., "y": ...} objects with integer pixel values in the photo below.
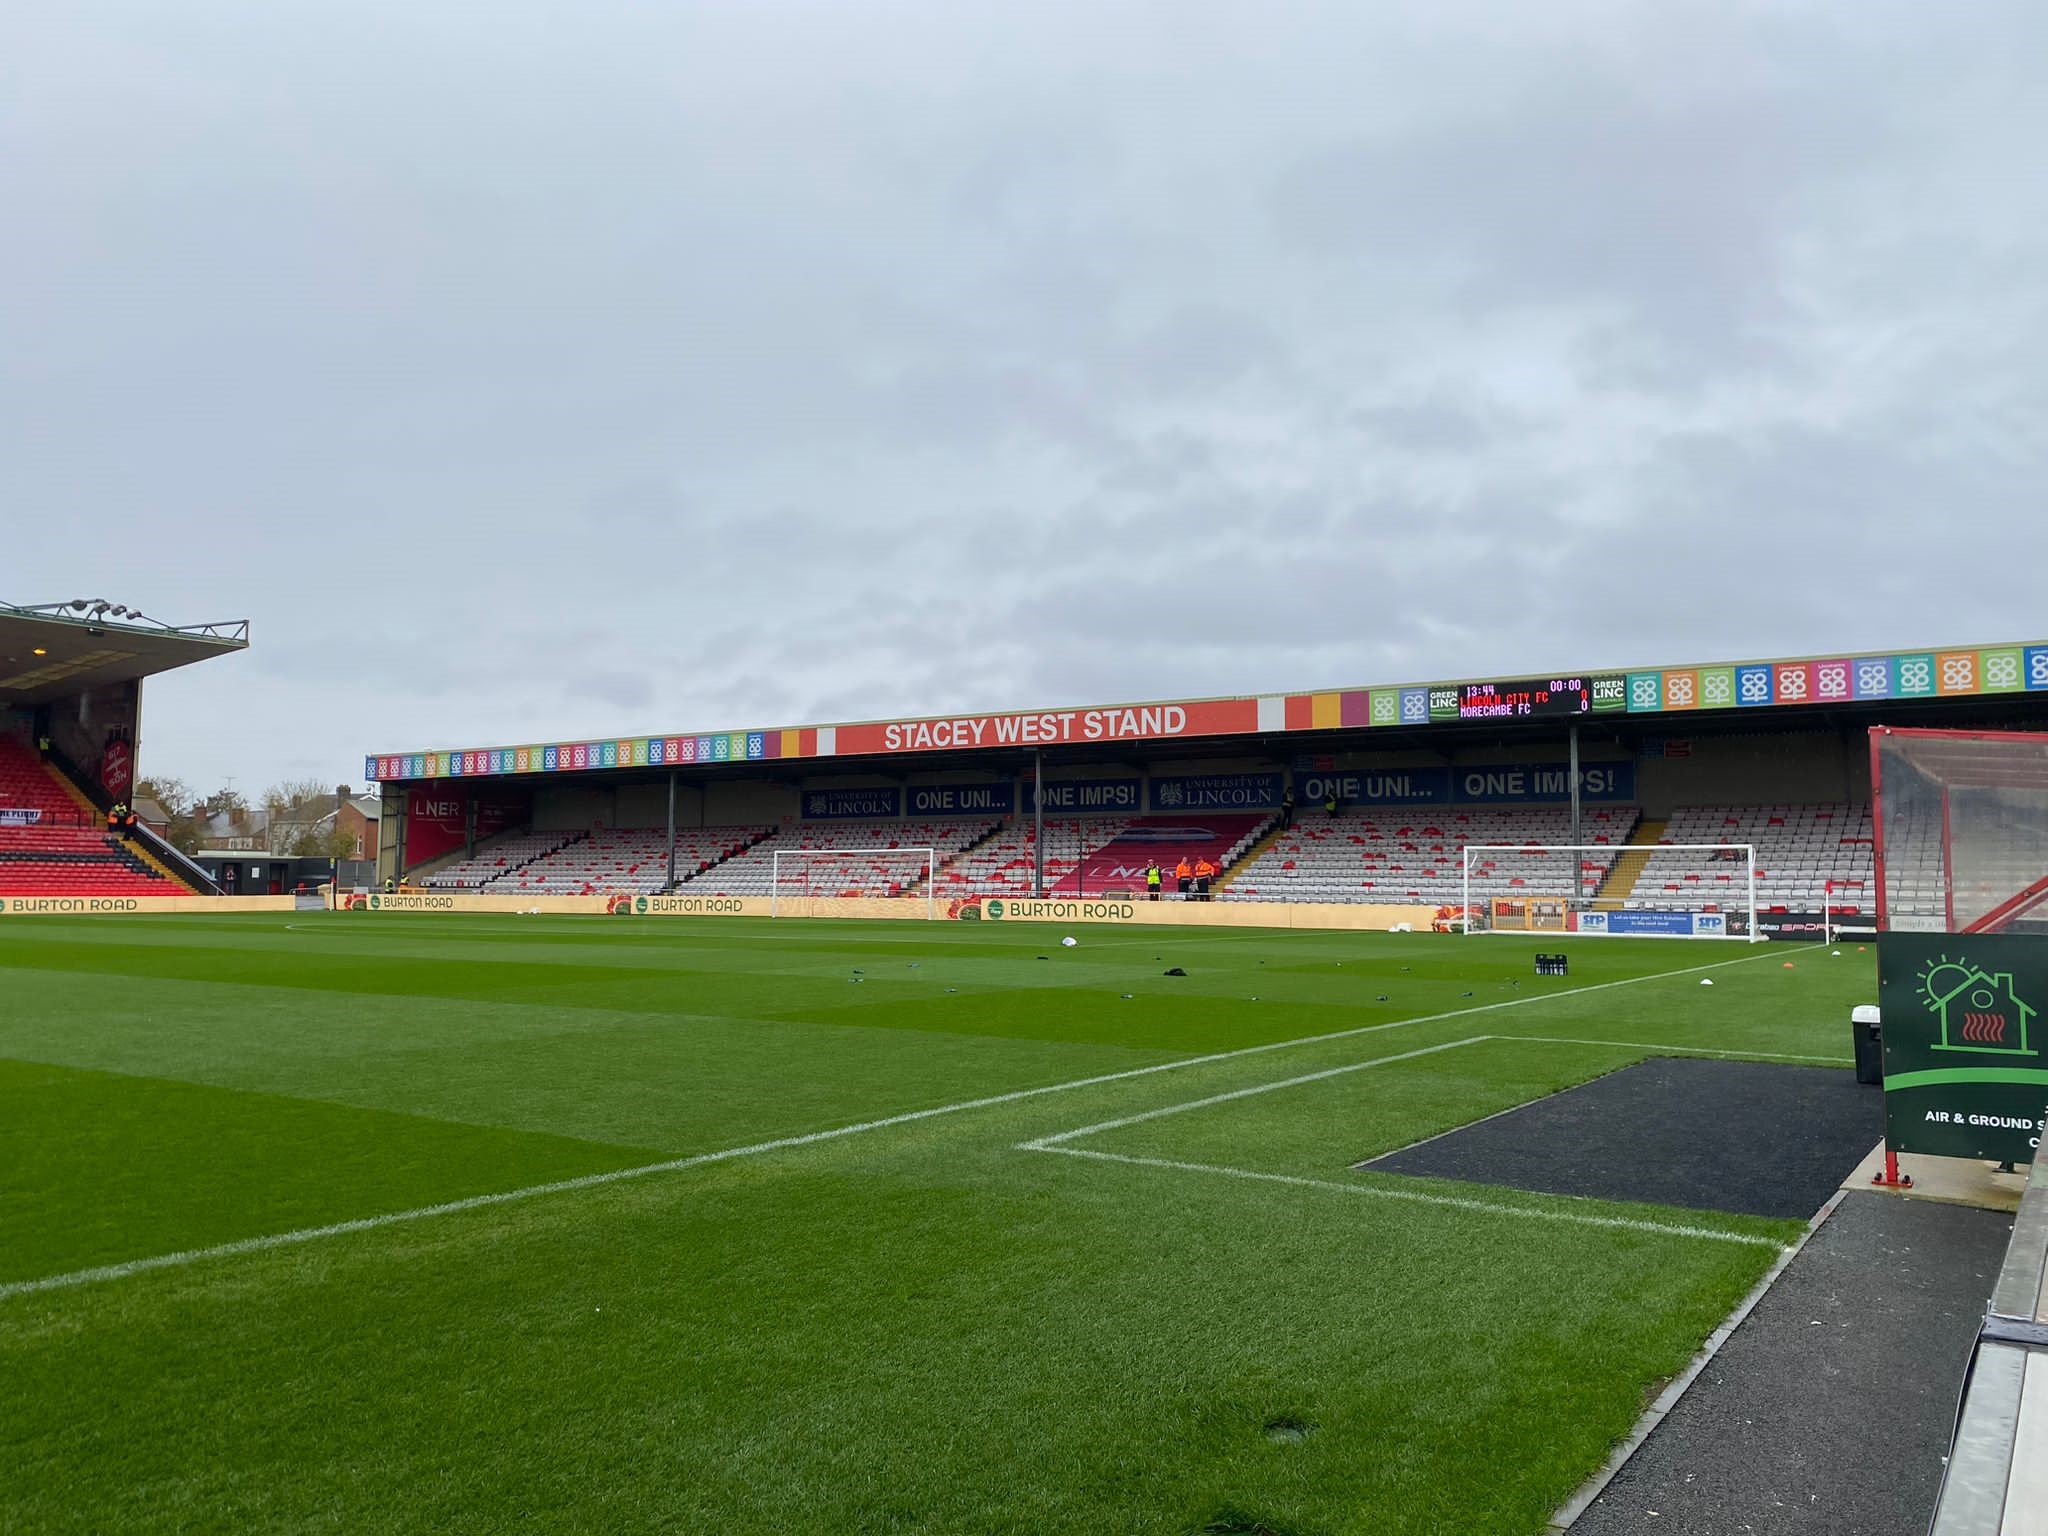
[{"x": 1965, "y": 1070}]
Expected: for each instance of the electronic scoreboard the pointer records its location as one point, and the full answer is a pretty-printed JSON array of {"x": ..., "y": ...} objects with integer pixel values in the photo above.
[{"x": 1533, "y": 696}]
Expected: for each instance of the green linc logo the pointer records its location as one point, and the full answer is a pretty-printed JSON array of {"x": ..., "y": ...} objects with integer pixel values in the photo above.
[
  {"x": 640, "y": 904},
  {"x": 1978, "y": 1009},
  {"x": 376, "y": 901},
  {"x": 993, "y": 907}
]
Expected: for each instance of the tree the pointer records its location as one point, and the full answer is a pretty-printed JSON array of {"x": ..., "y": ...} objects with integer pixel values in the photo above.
[
  {"x": 182, "y": 830},
  {"x": 171, "y": 794},
  {"x": 329, "y": 841},
  {"x": 294, "y": 811},
  {"x": 229, "y": 802}
]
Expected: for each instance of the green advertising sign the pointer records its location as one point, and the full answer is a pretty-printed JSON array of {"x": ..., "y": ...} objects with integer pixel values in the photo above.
[{"x": 1965, "y": 1045}]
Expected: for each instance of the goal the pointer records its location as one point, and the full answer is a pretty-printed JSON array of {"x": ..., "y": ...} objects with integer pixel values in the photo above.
[
  {"x": 837, "y": 873},
  {"x": 1660, "y": 890}
]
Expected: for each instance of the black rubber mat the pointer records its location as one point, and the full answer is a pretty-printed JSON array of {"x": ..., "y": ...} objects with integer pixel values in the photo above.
[
  {"x": 1828, "y": 1411},
  {"x": 1714, "y": 1135}
]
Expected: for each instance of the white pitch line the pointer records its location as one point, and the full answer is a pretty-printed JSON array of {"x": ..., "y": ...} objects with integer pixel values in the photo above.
[
  {"x": 126, "y": 1268},
  {"x": 1680, "y": 1050},
  {"x": 1418, "y": 1197},
  {"x": 1052, "y": 1143}
]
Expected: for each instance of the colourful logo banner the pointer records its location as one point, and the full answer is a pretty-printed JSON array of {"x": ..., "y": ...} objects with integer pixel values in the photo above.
[{"x": 1745, "y": 685}]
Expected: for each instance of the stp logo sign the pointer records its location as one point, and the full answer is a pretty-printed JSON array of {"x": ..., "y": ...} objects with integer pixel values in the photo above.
[{"x": 117, "y": 767}]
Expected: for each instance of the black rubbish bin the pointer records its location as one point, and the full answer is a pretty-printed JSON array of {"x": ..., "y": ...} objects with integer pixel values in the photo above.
[{"x": 1868, "y": 1035}]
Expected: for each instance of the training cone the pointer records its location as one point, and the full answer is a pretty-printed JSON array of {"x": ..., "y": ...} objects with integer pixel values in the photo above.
[
  {"x": 1788, "y": 965},
  {"x": 1069, "y": 941},
  {"x": 1706, "y": 981}
]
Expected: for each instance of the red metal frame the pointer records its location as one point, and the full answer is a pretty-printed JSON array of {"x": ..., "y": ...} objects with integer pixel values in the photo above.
[
  {"x": 2016, "y": 905},
  {"x": 1877, "y": 825},
  {"x": 2037, "y": 737}
]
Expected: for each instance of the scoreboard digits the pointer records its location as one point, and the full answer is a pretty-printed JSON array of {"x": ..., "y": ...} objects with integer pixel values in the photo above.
[{"x": 1535, "y": 696}]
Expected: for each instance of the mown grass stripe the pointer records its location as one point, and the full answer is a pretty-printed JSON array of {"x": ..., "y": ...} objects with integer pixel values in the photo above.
[{"x": 129, "y": 1268}]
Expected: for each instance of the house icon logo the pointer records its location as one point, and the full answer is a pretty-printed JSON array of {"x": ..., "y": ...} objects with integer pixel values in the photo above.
[{"x": 1978, "y": 1009}]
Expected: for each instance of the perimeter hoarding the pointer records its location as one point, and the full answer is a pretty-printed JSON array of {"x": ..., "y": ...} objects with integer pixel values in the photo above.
[
  {"x": 1964, "y": 1067},
  {"x": 131, "y": 906},
  {"x": 1000, "y": 909}
]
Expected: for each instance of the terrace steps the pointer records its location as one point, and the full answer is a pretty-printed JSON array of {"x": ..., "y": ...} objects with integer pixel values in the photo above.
[{"x": 1627, "y": 869}]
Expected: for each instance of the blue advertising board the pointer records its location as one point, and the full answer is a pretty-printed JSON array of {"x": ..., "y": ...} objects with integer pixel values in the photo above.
[
  {"x": 1088, "y": 795},
  {"x": 1217, "y": 792},
  {"x": 962, "y": 799},
  {"x": 852, "y": 804},
  {"x": 1542, "y": 783},
  {"x": 1647, "y": 924}
]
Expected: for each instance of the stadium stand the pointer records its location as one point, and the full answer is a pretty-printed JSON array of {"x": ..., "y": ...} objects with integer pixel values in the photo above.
[
  {"x": 1807, "y": 856},
  {"x": 501, "y": 857},
  {"x": 1002, "y": 866},
  {"x": 1416, "y": 856},
  {"x": 752, "y": 871},
  {"x": 1087, "y": 855},
  {"x": 605, "y": 860},
  {"x": 1120, "y": 862},
  {"x": 51, "y": 845}
]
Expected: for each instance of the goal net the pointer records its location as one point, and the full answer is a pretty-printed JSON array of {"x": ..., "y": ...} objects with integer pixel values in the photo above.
[
  {"x": 1961, "y": 830},
  {"x": 1662, "y": 890},
  {"x": 842, "y": 873}
]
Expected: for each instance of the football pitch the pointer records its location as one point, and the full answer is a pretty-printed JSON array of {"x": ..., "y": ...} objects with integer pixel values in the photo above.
[{"x": 365, "y": 1221}]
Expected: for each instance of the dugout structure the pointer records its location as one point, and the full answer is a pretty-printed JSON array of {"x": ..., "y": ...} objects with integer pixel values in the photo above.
[
  {"x": 1961, "y": 826},
  {"x": 1961, "y": 820}
]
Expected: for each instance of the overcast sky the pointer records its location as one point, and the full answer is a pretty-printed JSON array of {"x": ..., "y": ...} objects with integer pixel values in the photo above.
[{"x": 528, "y": 371}]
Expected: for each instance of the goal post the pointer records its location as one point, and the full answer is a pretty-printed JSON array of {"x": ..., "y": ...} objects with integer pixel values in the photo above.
[
  {"x": 814, "y": 873},
  {"x": 1643, "y": 890}
]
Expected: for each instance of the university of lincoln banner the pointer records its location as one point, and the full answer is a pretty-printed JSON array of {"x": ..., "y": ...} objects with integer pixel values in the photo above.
[{"x": 1965, "y": 1072}]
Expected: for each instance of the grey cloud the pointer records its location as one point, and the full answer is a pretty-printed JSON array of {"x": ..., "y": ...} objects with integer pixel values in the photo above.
[{"x": 710, "y": 366}]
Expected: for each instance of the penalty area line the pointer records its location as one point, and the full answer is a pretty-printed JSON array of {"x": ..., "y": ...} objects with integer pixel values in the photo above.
[
  {"x": 1419, "y": 1197},
  {"x": 1682, "y": 1050},
  {"x": 130, "y": 1267},
  {"x": 1054, "y": 1142}
]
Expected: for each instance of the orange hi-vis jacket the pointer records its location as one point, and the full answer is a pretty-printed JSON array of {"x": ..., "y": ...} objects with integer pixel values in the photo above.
[
  {"x": 1181, "y": 870},
  {"x": 1204, "y": 869}
]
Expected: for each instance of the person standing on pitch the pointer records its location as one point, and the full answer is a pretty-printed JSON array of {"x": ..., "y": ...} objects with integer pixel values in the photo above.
[{"x": 1152, "y": 880}]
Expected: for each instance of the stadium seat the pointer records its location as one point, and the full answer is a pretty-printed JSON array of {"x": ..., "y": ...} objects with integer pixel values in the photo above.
[{"x": 58, "y": 846}]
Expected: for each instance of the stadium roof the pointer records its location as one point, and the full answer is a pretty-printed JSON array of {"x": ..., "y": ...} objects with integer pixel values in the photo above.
[
  {"x": 53, "y": 651},
  {"x": 1669, "y": 695}
]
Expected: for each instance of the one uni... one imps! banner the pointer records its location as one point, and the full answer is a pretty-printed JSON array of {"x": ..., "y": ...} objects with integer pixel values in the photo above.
[{"x": 1965, "y": 1071}]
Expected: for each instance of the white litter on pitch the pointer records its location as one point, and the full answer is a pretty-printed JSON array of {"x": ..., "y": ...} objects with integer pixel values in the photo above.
[
  {"x": 1706, "y": 981},
  {"x": 1069, "y": 941}
]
